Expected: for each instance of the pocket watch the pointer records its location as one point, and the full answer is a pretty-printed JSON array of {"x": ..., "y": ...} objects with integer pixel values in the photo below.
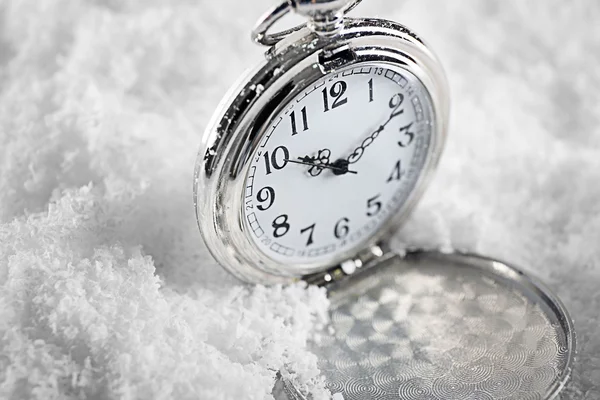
[{"x": 307, "y": 168}]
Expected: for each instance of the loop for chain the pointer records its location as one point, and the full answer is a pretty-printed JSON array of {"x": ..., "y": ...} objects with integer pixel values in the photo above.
[
  {"x": 323, "y": 15},
  {"x": 260, "y": 33}
]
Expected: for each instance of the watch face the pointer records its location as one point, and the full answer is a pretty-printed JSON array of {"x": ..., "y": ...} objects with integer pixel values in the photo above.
[{"x": 337, "y": 163}]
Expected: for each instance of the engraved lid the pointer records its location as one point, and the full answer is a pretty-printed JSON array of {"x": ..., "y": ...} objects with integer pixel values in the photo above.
[{"x": 444, "y": 326}]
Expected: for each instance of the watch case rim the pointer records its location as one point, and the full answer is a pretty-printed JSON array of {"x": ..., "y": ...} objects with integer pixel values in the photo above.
[{"x": 246, "y": 111}]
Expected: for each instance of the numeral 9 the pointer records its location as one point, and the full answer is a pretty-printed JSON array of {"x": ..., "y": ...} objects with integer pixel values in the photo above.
[{"x": 265, "y": 194}]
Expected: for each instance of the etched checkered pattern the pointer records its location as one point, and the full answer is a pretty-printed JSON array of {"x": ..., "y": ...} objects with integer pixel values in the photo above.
[{"x": 439, "y": 332}]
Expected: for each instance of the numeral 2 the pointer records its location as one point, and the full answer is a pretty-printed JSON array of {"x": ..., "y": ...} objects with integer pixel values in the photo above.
[
  {"x": 395, "y": 103},
  {"x": 336, "y": 91},
  {"x": 304, "y": 121}
]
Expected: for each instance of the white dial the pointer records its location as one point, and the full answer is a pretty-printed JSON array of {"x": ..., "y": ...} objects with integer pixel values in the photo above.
[{"x": 337, "y": 163}]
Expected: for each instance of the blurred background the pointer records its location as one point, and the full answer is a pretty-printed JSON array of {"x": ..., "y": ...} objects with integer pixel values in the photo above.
[{"x": 106, "y": 289}]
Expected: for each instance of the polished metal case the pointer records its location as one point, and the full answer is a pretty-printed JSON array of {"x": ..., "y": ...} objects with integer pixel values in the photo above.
[
  {"x": 291, "y": 65},
  {"x": 432, "y": 325},
  {"x": 500, "y": 319}
]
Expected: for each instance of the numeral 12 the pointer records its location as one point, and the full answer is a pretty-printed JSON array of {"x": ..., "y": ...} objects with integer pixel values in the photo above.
[{"x": 336, "y": 91}]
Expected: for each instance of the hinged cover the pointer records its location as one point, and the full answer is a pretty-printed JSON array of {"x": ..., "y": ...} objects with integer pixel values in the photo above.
[{"x": 431, "y": 325}]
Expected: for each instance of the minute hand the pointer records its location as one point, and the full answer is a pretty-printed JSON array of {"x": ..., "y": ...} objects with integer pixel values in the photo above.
[{"x": 395, "y": 103}]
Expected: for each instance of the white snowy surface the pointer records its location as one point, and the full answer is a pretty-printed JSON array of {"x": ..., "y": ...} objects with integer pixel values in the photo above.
[{"x": 106, "y": 289}]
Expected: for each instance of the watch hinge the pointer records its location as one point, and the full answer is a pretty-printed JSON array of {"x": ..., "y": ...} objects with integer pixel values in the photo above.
[
  {"x": 363, "y": 261},
  {"x": 330, "y": 60}
]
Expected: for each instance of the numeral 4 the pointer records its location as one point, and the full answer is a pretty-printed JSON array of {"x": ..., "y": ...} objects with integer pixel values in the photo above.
[{"x": 396, "y": 172}]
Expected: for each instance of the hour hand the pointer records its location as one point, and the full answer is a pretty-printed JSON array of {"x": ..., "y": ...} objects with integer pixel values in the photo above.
[
  {"x": 341, "y": 167},
  {"x": 321, "y": 161}
]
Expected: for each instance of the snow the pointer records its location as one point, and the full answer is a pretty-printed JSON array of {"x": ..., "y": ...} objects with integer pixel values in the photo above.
[{"x": 106, "y": 290}]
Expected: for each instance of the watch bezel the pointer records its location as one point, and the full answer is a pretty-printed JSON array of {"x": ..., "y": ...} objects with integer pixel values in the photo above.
[{"x": 245, "y": 113}]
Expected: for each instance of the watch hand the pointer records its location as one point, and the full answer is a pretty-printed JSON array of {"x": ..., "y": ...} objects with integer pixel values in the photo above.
[
  {"x": 394, "y": 104},
  {"x": 336, "y": 168},
  {"x": 322, "y": 158}
]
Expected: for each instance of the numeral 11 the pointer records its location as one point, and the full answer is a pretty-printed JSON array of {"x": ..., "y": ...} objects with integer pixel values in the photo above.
[{"x": 304, "y": 121}]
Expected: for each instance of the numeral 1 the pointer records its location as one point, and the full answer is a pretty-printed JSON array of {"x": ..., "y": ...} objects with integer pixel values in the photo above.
[
  {"x": 371, "y": 90},
  {"x": 304, "y": 121}
]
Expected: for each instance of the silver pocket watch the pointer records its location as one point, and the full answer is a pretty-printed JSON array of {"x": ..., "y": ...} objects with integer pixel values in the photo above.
[{"x": 308, "y": 167}]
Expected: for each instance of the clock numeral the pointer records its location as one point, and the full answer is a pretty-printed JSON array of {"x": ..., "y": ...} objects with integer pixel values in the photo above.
[
  {"x": 370, "y": 90},
  {"x": 395, "y": 103},
  {"x": 265, "y": 194},
  {"x": 280, "y": 223},
  {"x": 336, "y": 91},
  {"x": 396, "y": 173},
  {"x": 407, "y": 133},
  {"x": 311, "y": 229},
  {"x": 272, "y": 160},
  {"x": 341, "y": 229},
  {"x": 373, "y": 206},
  {"x": 304, "y": 121}
]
